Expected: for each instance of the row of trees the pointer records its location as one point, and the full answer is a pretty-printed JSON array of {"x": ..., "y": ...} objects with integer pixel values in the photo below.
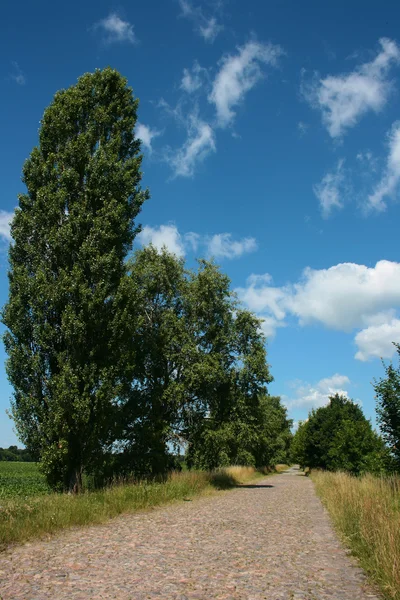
[
  {"x": 116, "y": 362},
  {"x": 339, "y": 437},
  {"x": 15, "y": 454}
]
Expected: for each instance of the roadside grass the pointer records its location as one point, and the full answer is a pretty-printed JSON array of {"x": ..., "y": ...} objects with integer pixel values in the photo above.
[
  {"x": 26, "y": 517},
  {"x": 366, "y": 513},
  {"x": 281, "y": 467}
]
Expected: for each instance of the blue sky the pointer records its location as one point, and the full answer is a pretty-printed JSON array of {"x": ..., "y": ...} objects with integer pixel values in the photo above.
[{"x": 271, "y": 136}]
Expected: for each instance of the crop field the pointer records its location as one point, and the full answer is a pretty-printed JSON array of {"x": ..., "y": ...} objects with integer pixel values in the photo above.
[{"x": 20, "y": 480}]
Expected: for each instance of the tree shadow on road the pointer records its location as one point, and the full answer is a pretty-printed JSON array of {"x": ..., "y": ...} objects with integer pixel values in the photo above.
[{"x": 254, "y": 486}]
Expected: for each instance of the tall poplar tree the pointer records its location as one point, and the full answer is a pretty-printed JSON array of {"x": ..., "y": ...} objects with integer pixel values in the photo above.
[{"x": 67, "y": 306}]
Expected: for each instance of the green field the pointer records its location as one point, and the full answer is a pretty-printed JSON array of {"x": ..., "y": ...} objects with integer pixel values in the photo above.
[{"x": 21, "y": 480}]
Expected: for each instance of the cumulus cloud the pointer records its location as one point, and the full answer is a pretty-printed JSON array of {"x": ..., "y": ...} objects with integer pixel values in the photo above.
[
  {"x": 219, "y": 245},
  {"x": 331, "y": 189},
  {"x": 166, "y": 236},
  {"x": 238, "y": 74},
  {"x": 344, "y": 99},
  {"x": 376, "y": 341},
  {"x": 388, "y": 185},
  {"x": 206, "y": 26},
  {"x": 306, "y": 395},
  {"x": 269, "y": 325},
  {"x": 345, "y": 297},
  {"x": 223, "y": 246},
  {"x": 199, "y": 144},
  {"x": 146, "y": 134},
  {"x": 5, "y": 223},
  {"x": 193, "y": 78},
  {"x": 116, "y": 29}
]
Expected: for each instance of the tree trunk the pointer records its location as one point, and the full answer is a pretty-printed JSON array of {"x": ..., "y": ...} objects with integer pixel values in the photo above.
[{"x": 75, "y": 481}]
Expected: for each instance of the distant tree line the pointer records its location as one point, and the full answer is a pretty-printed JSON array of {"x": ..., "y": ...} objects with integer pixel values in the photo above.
[
  {"x": 120, "y": 361},
  {"x": 15, "y": 454}
]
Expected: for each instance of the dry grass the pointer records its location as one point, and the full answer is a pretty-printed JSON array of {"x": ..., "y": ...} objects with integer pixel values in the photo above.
[
  {"x": 366, "y": 512},
  {"x": 281, "y": 468},
  {"x": 25, "y": 518}
]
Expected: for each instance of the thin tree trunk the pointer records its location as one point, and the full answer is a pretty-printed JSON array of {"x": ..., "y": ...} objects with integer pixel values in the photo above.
[{"x": 75, "y": 481}]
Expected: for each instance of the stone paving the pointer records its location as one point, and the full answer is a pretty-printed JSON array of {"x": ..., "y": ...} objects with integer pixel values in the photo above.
[{"x": 269, "y": 540}]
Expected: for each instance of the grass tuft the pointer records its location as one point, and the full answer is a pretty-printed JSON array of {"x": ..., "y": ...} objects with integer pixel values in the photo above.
[
  {"x": 366, "y": 512},
  {"x": 26, "y": 517}
]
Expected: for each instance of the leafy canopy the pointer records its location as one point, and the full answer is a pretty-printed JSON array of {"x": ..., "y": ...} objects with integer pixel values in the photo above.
[
  {"x": 338, "y": 437},
  {"x": 72, "y": 231}
]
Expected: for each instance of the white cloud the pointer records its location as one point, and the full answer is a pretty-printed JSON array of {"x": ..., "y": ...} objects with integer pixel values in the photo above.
[
  {"x": 331, "y": 189},
  {"x": 239, "y": 74},
  {"x": 223, "y": 246},
  {"x": 269, "y": 325},
  {"x": 165, "y": 235},
  {"x": 376, "y": 341},
  {"x": 116, "y": 29},
  {"x": 5, "y": 222},
  {"x": 192, "y": 79},
  {"x": 199, "y": 144},
  {"x": 146, "y": 134},
  {"x": 219, "y": 245},
  {"x": 345, "y": 98},
  {"x": 345, "y": 297},
  {"x": 391, "y": 177},
  {"x": 207, "y": 27},
  {"x": 18, "y": 76},
  {"x": 210, "y": 29},
  {"x": 192, "y": 240},
  {"x": 316, "y": 395}
]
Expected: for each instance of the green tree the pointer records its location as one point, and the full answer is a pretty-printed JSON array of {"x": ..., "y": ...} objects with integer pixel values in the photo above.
[
  {"x": 387, "y": 391},
  {"x": 199, "y": 372},
  {"x": 298, "y": 445},
  {"x": 232, "y": 419},
  {"x": 163, "y": 353},
  {"x": 67, "y": 304},
  {"x": 338, "y": 437}
]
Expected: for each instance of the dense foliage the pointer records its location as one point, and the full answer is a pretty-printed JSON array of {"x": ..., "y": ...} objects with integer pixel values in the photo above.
[
  {"x": 339, "y": 437},
  {"x": 117, "y": 364},
  {"x": 387, "y": 392},
  {"x": 72, "y": 232},
  {"x": 199, "y": 380}
]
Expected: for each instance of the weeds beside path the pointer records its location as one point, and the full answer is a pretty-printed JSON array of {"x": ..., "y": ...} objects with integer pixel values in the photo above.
[
  {"x": 270, "y": 539},
  {"x": 366, "y": 512},
  {"x": 24, "y": 518}
]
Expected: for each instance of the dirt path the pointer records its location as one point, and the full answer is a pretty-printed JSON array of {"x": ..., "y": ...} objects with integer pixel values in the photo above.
[{"x": 272, "y": 540}]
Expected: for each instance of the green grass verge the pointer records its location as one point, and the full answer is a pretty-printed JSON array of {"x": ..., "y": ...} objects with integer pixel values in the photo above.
[
  {"x": 366, "y": 513},
  {"x": 23, "y": 518}
]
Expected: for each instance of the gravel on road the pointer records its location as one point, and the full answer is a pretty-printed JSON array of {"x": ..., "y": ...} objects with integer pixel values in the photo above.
[{"x": 272, "y": 540}]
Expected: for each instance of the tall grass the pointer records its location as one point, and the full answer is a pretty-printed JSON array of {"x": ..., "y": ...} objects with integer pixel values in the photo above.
[
  {"x": 366, "y": 512},
  {"x": 23, "y": 518}
]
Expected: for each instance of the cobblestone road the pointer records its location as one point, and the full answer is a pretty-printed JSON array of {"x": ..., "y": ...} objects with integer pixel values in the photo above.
[{"x": 269, "y": 540}]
